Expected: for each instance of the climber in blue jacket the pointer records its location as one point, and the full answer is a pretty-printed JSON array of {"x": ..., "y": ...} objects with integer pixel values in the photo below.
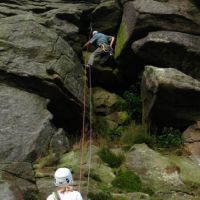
[{"x": 104, "y": 45}]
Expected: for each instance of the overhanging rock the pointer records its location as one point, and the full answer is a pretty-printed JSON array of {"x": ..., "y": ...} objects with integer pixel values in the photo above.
[
  {"x": 174, "y": 49},
  {"x": 170, "y": 97}
]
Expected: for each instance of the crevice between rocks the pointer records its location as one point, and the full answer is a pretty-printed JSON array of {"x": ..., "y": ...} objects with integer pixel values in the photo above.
[
  {"x": 41, "y": 10},
  {"x": 64, "y": 107},
  {"x": 10, "y": 2},
  {"x": 15, "y": 175}
]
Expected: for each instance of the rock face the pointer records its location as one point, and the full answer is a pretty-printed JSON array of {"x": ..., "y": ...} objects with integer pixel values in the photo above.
[
  {"x": 153, "y": 168},
  {"x": 146, "y": 16},
  {"x": 107, "y": 110},
  {"x": 41, "y": 89},
  {"x": 106, "y": 17},
  {"x": 191, "y": 138},
  {"x": 171, "y": 49},
  {"x": 126, "y": 28},
  {"x": 161, "y": 172},
  {"x": 172, "y": 93},
  {"x": 168, "y": 15},
  {"x": 40, "y": 86},
  {"x": 25, "y": 125},
  {"x": 7, "y": 193},
  {"x": 104, "y": 75},
  {"x": 17, "y": 181},
  {"x": 29, "y": 49},
  {"x": 140, "y": 18}
]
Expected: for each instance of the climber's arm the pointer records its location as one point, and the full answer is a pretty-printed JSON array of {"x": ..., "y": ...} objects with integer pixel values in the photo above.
[{"x": 112, "y": 41}]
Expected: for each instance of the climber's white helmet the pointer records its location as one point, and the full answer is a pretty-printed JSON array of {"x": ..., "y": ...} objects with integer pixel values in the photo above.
[
  {"x": 94, "y": 32},
  {"x": 63, "y": 176}
]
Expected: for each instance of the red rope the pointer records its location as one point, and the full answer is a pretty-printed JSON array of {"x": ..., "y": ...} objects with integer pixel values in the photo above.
[{"x": 84, "y": 120}]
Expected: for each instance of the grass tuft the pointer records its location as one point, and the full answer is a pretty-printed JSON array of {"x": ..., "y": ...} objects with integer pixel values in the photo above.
[
  {"x": 127, "y": 181},
  {"x": 110, "y": 158}
]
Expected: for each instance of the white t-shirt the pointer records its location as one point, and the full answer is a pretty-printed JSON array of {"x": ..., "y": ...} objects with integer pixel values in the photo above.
[{"x": 72, "y": 195}]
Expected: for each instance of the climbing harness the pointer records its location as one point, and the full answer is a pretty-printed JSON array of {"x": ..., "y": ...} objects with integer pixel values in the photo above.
[{"x": 105, "y": 48}]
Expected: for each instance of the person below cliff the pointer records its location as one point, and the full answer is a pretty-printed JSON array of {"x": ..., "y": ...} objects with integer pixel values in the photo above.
[
  {"x": 64, "y": 189},
  {"x": 104, "y": 45}
]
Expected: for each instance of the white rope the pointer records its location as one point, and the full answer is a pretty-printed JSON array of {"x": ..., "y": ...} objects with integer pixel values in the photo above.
[{"x": 90, "y": 130}]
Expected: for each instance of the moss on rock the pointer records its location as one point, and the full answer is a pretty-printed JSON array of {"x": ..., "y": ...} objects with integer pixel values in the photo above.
[
  {"x": 127, "y": 181},
  {"x": 189, "y": 170},
  {"x": 121, "y": 40}
]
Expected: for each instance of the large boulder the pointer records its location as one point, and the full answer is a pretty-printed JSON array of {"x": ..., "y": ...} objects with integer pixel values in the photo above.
[
  {"x": 67, "y": 18},
  {"x": 35, "y": 58},
  {"x": 188, "y": 169},
  {"x": 174, "y": 49},
  {"x": 191, "y": 139},
  {"x": 16, "y": 183},
  {"x": 171, "y": 177},
  {"x": 25, "y": 127},
  {"x": 126, "y": 28},
  {"x": 170, "y": 15},
  {"x": 105, "y": 102},
  {"x": 155, "y": 170},
  {"x": 23, "y": 170},
  {"x": 109, "y": 112},
  {"x": 104, "y": 72},
  {"x": 30, "y": 49},
  {"x": 106, "y": 17},
  {"x": 170, "y": 97},
  {"x": 141, "y": 17}
]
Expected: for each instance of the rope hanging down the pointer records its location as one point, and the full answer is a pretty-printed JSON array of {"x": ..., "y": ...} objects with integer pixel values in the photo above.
[
  {"x": 83, "y": 125},
  {"x": 90, "y": 129}
]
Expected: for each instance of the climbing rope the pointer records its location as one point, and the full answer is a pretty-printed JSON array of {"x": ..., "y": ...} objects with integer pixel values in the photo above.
[
  {"x": 83, "y": 128},
  {"x": 83, "y": 125},
  {"x": 90, "y": 129}
]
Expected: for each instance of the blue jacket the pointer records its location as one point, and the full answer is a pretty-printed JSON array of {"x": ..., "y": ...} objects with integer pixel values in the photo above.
[{"x": 99, "y": 38}]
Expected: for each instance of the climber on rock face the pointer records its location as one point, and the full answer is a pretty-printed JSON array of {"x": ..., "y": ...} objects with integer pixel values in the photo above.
[
  {"x": 64, "y": 190},
  {"x": 104, "y": 45}
]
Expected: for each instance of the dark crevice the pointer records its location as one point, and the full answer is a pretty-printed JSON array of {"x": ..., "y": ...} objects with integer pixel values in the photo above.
[
  {"x": 81, "y": 20},
  {"x": 8, "y": 14},
  {"x": 72, "y": 18},
  {"x": 196, "y": 3},
  {"x": 10, "y": 2},
  {"x": 64, "y": 107},
  {"x": 41, "y": 10},
  {"x": 15, "y": 175},
  {"x": 162, "y": 23}
]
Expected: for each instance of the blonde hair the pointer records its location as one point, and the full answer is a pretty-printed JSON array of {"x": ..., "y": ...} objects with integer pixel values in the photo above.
[{"x": 67, "y": 188}]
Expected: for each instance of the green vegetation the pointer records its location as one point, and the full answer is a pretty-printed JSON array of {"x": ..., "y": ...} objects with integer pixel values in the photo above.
[
  {"x": 110, "y": 158},
  {"x": 99, "y": 196},
  {"x": 169, "y": 138},
  {"x": 132, "y": 103},
  {"x": 121, "y": 37},
  {"x": 136, "y": 134},
  {"x": 32, "y": 195},
  {"x": 127, "y": 181},
  {"x": 93, "y": 175},
  {"x": 49, "y": 160}
]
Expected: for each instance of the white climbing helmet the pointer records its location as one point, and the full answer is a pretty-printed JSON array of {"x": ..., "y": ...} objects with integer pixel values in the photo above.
[
  {"x": 63, "y": 176},
  {"x": 94, "y": 32}
]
